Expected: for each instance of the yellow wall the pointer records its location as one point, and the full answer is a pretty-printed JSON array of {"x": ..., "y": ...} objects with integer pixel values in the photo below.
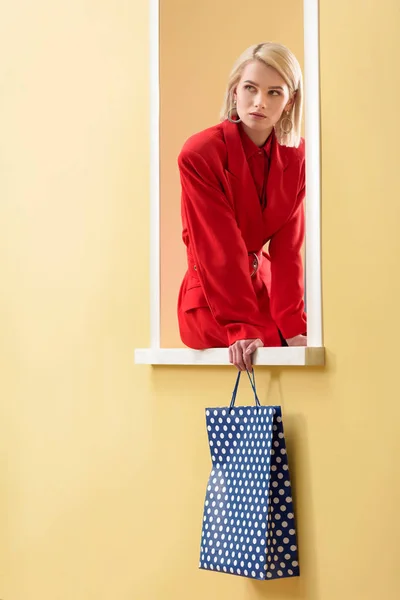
[
  {"x": 104, "y": 463},
  {"x": 196, "y": 57}
]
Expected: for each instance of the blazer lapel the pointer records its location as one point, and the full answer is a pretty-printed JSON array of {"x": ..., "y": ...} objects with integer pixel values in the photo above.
[
  {"x": 247, "y": 204},
  {"x": 279, "y": 191}
]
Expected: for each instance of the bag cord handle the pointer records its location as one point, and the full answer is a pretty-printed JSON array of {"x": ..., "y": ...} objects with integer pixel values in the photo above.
[{"x": 252, "y": 380}]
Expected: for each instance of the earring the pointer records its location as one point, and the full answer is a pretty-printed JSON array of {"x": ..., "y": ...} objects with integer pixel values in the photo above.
[
  {"x": 286, "y": 124},
  {"x": 230, "y": 111}
]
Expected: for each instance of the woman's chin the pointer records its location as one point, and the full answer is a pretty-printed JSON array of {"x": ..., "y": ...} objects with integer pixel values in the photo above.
[{"x": 258, "y": 125}]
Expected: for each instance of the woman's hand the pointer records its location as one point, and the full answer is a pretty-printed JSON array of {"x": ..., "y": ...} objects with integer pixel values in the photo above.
[
  {"x": 297, "y": 340},
  {"x": 240, "y": 353}
]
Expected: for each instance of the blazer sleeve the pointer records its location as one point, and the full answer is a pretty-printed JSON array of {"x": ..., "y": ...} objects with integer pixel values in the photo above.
[
  {"x": 218, "y": 249},
  {"x": 287, "y": 273}
]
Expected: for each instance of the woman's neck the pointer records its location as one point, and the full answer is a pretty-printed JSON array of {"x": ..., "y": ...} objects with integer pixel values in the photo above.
[{"x": 258, "y": 137}]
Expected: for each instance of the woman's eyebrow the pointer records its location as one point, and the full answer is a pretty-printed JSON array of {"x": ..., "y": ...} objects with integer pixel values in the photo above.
[{"x": 271, "y": 87}]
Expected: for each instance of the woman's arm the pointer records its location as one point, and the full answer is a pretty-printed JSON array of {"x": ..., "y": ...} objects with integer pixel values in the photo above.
[
  {"x": 219, "y": 250},
  {"x": 287, "y": 273}
]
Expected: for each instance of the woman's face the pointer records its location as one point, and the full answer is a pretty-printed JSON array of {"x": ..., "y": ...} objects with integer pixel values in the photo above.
[{"x": 261, "y": 96}]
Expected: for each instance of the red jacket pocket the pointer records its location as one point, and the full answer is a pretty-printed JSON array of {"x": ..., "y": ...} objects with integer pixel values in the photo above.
[{"x": 194, "y": 298}]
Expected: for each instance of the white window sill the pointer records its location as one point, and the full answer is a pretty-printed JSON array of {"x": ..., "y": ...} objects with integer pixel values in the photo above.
[{"x": 294, "y": 356}]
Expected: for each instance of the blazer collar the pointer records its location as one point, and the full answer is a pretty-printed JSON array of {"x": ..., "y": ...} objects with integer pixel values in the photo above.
[
  {"x": 250, "y": 148},
  {"x": 237, "y": 159}
]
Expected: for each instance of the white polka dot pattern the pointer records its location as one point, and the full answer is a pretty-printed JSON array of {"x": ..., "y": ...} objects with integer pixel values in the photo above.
[{"x": 248, "y": 523}]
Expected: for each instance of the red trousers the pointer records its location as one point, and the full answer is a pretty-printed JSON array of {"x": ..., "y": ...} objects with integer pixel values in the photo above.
[{"x": 199, "y": 329}]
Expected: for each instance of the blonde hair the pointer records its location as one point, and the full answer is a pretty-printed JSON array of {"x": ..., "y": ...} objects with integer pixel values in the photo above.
[{"x": 282, "y": 60}]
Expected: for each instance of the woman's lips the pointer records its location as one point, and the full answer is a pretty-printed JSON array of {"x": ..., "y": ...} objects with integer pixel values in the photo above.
[{"x": 257, "y": 116}]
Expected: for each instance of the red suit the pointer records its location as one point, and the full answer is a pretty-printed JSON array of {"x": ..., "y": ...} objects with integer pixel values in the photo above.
[{"x": 232, "y": 205}]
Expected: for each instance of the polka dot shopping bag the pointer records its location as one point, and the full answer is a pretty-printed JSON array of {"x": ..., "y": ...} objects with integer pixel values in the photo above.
[{"x": 248, "y": 522}]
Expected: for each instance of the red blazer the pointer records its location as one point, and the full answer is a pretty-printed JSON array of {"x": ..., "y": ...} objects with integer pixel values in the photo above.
[{"x": 223, "y": 222}]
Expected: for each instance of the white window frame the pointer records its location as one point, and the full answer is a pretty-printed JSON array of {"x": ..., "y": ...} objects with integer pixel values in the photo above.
[{"x": 314, "y": 353}]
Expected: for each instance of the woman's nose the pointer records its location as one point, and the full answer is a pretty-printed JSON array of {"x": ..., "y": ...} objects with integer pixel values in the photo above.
[{"x": 260, "y": 101}]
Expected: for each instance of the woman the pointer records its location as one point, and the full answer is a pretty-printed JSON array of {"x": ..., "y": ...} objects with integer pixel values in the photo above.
[{"x": 243, "y": 185}]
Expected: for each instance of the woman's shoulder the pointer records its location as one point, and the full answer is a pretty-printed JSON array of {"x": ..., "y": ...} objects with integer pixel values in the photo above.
[
  {"x": 296, "y": 152},
  {"x": 208, "y": 143}
]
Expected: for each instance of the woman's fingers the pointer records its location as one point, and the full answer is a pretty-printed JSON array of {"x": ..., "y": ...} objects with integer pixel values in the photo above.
[
  {"x": 252, "y": 347},
  {"x": 297, "y": 340},
  {"x": 247, "y": 352},
  {"x": 239, "y": 357},
  {"x": 240, "y": 353}
]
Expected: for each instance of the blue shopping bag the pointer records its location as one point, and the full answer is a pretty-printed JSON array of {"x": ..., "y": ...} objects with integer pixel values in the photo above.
[{"x": 248, "y": 522}]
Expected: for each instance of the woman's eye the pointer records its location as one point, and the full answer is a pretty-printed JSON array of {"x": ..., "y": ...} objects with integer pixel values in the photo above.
[
  {"x": 249, "y": 87},
  {"x": 274, "y": 93}
]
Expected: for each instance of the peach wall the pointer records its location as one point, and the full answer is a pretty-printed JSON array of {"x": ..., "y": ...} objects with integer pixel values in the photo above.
[{"x": 199, "y": 43}]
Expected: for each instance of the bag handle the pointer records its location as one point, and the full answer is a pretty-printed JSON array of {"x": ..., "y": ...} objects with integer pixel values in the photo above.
[{"x": 252, "y": 380}]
